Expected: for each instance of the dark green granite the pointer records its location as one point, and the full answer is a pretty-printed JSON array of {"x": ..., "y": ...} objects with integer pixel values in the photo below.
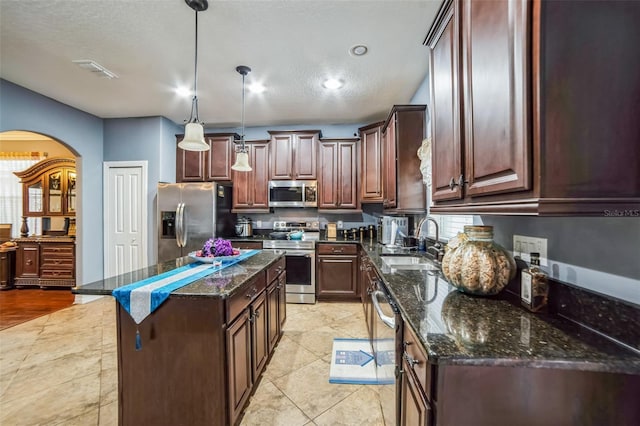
[
  {"x": 219, "y": 284},
  {"x": 456, "y": 328}
]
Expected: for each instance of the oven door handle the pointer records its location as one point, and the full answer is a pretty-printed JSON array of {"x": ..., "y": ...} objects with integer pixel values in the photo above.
[
  {"x": 387, "y": 320},
  {"x": 299, "y": 253}
]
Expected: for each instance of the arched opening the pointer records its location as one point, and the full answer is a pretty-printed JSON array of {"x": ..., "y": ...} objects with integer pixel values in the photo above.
[{"x": 20, "y": 150}]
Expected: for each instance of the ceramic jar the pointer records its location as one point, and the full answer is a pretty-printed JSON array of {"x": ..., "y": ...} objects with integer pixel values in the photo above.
[{"x": 478, "y": 265}]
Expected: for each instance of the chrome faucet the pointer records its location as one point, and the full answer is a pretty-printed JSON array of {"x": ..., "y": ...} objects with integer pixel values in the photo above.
[{"x": 436, "y": 248}]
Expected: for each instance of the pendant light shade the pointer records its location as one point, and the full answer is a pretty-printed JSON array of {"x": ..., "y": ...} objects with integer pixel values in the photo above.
[
  {"x": 242, "y": 157},
  {"x": 242, "y": 162},
  {"x": 194, "y": 130}
]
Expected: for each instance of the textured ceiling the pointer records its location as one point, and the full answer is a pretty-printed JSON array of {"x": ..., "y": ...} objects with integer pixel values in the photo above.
[{"x": 291, "y": 46}]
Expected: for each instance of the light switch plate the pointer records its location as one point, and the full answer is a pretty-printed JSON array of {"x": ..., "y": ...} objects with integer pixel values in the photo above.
[{"x": 524, "y": 245}]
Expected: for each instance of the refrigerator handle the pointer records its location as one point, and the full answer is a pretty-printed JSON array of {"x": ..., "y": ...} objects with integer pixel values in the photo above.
[
  {"x": 178, "y": 225},
  {"x": 183, "y": 232}
]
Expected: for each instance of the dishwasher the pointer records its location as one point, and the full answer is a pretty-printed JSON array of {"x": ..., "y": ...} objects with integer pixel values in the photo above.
[{"x": 386, "y": 345}]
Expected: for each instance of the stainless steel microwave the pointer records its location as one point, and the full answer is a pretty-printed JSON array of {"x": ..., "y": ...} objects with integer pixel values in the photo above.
[{"x": 293, "y": 193}]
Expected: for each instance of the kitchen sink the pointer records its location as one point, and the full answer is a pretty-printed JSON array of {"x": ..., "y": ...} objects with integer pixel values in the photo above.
[{"x": 408, "y": 262}]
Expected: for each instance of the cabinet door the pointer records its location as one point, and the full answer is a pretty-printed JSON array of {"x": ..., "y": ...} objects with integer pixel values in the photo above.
[
  {"x": 445, "y": 108},
  {"x": 55, "y": 192},
  {"x": 259, "y": 333},
  {"x": 495, "y": 62},
  {"x": 273, "y": 294},
  {"x": 338, "y": 277},
  {"x": 239, "y": 364},
  {"x": 347, "y": 184},
  {"x": 260, "y": 157},
  {"x": 28, "y": 260},
  {"x": 70, "y": 189},
  {"x": 282, "y": 299},
  {"x": 219, "y": 158},
  {"x": 281, "y": 151},
  {"x": 414, "y": 408},
  {"x": 371, "y": 164},
  {"x": 305, "y": 156},
  {"x": 250, "y": 189},
  {"x": 390, "y": 189},
  {"x": 328, "y": 175},
  {"x": 190, "y": 165}
]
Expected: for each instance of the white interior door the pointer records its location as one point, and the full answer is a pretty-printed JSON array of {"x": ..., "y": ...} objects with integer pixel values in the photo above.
[{"x": 125, "y": 209}]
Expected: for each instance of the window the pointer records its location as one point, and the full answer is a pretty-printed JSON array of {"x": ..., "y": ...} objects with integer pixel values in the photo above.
[
  {"x": 449, "y": 225},
  {"x": 11, "y": 190}
]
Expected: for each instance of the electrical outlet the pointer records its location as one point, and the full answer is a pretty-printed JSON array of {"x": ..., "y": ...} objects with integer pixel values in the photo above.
[
  {"x": 340, "y": 224},
  {"x": 259, "y": 224},
  {"x": 523, "y": 246}
]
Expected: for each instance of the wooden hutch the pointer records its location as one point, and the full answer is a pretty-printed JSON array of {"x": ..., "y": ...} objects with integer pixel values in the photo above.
[{"x": 49, "y": 190}]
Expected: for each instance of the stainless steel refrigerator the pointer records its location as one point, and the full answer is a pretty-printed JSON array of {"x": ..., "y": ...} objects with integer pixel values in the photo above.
[{"x": 191, "y": 213}]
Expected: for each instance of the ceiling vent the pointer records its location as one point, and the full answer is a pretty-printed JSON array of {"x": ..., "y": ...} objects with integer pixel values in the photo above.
[{"x": 95, "y": 68}]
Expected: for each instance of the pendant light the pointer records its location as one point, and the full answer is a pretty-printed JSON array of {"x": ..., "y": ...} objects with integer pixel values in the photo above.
[
  {"x": 194, "y": 131},
  {"x": 242, "y": 157}
]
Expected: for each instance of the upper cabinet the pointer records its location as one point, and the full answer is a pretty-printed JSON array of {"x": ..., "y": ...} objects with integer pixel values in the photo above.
[
  {"x": 403, "y": 133},
  {"x": 206, "y": 166},
  {"x": 250, "y": 189},
  {"x": 372, "y": 168},
  {"x": 293, "y": 155},
  {"x": 524, "y": 119},
  {"x": 338, "y": 174},
  {"x": 49, "y": 188}
]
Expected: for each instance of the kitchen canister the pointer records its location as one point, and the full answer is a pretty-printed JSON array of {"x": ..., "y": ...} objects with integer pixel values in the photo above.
[{"x": 477, "y": 265}]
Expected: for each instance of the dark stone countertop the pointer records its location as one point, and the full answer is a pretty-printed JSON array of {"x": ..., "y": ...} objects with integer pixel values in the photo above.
[
  {"x": 456, "y": 328},
  {"x": 222, "y": 283}
]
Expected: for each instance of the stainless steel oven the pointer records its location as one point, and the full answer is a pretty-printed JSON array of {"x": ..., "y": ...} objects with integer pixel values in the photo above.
[{"x": 300, "y": 257}]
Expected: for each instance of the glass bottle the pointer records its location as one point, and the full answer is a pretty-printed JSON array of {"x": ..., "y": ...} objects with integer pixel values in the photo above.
[{"x": 534, "y": 287}]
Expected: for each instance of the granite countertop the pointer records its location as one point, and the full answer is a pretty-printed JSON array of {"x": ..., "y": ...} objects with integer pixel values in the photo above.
[
  {"x": 456, "y": 328},
  {"x": 222, "y": 283},
  {"x": 45, "y": 238}
]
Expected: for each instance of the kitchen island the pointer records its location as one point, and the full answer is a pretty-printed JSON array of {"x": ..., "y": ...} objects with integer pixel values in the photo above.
[{"x": 203, "y": 350}]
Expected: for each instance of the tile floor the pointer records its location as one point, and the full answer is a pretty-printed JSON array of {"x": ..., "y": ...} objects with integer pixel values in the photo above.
[{"x": 60, "y": 369}]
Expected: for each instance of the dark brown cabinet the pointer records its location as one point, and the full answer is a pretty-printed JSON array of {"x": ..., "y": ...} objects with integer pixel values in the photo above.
[
  {"x": 368, "y": 282},
  {"x": 239, "y": 369},
  {"x": 250, "y": 245},
  {"x": 277, "y": 309},
  {"x": 45, "y": 262},
  {"x": 515, "y": 129},
  {"x": 293, "y": 155},
  {"x": 371, "y": 172},
  {"x": 259, "y": 333},
  {"x": 337, "y": 271},
  {"x": 206, "y": 166},
  {"x": 338, "y": 174},
  {"x": 7, "y": 267},
  {"x": 403, "y": 133},
  {"x": 414, "y": 408},
  {"x": 250, "y": 189}
]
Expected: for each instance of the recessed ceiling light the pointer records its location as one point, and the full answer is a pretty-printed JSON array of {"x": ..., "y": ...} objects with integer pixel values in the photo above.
[
  {"x": 184, "y": 92},
  {"x": 332, "y": 83},
  {"x": 256, "y": 88},
  {"x": 359, "y": 50}
]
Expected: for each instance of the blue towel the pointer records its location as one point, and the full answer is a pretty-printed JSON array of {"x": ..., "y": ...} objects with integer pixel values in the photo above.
[{"x": 143, "y": 297}]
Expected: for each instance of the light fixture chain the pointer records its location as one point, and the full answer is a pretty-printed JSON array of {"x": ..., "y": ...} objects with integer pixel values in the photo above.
[{"x": 242, "y": 136}]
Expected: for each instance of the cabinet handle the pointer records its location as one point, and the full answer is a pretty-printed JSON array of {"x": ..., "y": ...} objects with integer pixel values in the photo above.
[
  {"x": 460, "y": 182},
  {"x": 410, "y": 360},
  {"x": 257, "y": 314},
  {"x": 29, "y": 262},
  {"x": 337, "y": 250}
]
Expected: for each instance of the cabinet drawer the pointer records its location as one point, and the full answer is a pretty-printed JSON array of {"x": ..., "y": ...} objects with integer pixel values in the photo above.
[
  {"x": 56, "y": 273},
  {"x": 57, "y": 262},
  {"x": 252, "y": 245},
  {"x": 416, "y": 358},
  {"x": 275, "y": 269},
  {"x": 337, "y": 249},
  {"x": 56, "y": 251},
  {"x": 244, "y": 295}
]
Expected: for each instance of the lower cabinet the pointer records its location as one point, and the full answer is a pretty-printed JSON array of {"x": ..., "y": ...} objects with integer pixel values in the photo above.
[
  {"x": 251, "y": 245},
  {"x": 212, "y": 347},
  {"x": 337, "y": 271},
  {"x": 415, "y": 408},
  {"x": 368, "y": 277},
  {"x": 45, "y": 262}
]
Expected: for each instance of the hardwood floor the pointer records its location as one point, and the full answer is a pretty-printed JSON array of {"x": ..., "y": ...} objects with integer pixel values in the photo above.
[{"x": 21, "y": 305}]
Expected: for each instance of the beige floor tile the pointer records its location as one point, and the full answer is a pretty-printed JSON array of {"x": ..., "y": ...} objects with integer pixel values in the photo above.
[
  {"x": 47, "y": 405},
  {"x": 108, "y": 414},
  {"x": 269, "y": 406},
  {"x": 360, "y": 408},
  {"x": 319, "y": 341},
  {"x": 310, "y": 390},
  {"x": 288, "y": 357},
  {"x": 87, "y": 419}
]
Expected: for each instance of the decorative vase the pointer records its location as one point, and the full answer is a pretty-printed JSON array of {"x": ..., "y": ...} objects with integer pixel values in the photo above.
[{"x": 478, "y": 265}]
